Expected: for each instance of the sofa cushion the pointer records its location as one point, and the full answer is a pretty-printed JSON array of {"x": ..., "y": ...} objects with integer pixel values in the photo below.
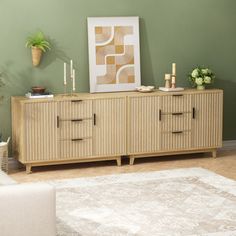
[{"x": 5, "y": 179}]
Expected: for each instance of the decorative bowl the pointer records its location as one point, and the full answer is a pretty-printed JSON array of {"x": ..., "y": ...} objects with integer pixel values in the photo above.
[{"x": 38, "y": 89}]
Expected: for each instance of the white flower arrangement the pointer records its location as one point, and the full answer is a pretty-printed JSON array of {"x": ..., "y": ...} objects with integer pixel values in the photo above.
[{"x": 200, "y": 77}]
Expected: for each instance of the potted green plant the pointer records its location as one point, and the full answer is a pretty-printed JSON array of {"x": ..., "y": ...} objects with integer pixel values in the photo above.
[
  {"x": 200, "y": 77},
  {"x": 38, "y": 44}
]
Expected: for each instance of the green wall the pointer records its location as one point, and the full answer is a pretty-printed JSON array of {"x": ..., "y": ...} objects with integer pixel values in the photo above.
[{"x": 188, "y": 32}]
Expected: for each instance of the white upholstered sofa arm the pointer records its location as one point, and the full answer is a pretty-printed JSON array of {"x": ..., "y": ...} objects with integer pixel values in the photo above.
[{"x": 27, "y": 210}]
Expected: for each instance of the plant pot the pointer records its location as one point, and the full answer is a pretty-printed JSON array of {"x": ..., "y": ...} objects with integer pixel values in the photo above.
[
  {"x": 36, "y": 55},
  {"x": 200, "y": 87}
]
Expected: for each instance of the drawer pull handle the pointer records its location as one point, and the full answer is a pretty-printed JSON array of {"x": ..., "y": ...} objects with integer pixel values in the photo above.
[
  {"x": 76, "y": 120},
  {"x": 76, "y": 100},
  {"x": 194, "y": 112},
  {"x": 58, "y": 122},
  {"x": 177, "y": 132},
  {"x": 76, "y": 139},
  {"x": 94, "y": 119},
  {"x": 177, "y": 113},
  {"x": 160, "y": 115},
  {"x": 177, "y": 95}
]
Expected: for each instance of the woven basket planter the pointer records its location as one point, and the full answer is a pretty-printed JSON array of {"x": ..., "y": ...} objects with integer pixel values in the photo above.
[
  {"x": 36, "y": 55},
  {"x": 4, "y": 155}
]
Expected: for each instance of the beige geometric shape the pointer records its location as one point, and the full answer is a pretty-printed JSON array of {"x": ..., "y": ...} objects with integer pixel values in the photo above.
[
  {"x": 102, "y": 52},
  {"x": 109, "y": 77},
  {"x": 102, "y": 34},
  {"x": 110, "y": 60},
  {"x": 128, "y": 58},
  {"x": 126, "y": 75},
  {"x": 119, "y": 49},
  {"x": 120, "y": 32}
]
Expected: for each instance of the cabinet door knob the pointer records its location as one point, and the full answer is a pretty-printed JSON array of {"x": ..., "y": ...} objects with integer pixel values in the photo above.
[
  {"x": 160, "y": 115},
  {"x": 177, "y": 113}
]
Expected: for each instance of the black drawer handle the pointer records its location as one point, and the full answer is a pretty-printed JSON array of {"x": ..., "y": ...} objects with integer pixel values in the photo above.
[
  {"x": 76, "y": 139},
  {"x": 177, "y": 113},
  {"x": 194, "y": 112},
  {"x": 177, "y": 132},
  {"x": 159, "y": 115},
  {"x": 177, "y": 95},
  {"x": 76, "y": 100},
  {"x": 58, "y": 122},
  {"x": 76, "y": 120},
  {"x": 94, "y": 119}
]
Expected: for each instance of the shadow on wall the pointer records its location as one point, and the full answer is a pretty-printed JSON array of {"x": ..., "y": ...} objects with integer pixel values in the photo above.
[
  {"x": 229, "y": 88},
  {"x": 145, "y": 56},
  {"x": 52, "y": 55}
]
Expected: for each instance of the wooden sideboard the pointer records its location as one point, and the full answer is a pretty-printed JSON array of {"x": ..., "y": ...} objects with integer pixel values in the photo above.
[{"x": 94, "y": 127}]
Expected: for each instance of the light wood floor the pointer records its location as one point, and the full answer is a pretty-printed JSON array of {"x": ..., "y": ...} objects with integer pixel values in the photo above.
[{"x": 224, "y": 164}]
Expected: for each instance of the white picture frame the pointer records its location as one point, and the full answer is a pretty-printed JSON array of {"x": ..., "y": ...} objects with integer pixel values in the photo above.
[{"x": 114, "y": 53}]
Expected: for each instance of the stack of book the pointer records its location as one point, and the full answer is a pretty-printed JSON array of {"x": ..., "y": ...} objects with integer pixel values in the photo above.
[{"x": 38, "y": 95}]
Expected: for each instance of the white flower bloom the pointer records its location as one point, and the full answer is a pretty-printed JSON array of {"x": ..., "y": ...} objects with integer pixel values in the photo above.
[
  {"x": 207, "y": 79},
  {"x": 195, "y": 73},
  {"x": 205, "y": 71},
  {"x": 199, "y": 81}
]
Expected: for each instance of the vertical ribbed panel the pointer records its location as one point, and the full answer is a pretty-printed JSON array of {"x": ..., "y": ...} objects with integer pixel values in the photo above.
[
  {"x": 109, "y": 136},
  {"x": 41, "y": 131},
  {"x": 207, "y": 126},
  {"x": 171, "y": 141},
  {"x": 74, "y": 110},
  {"x": 181, "y": 122},
  {"x": 143, "y": 124},
  {"x": 76, "y": 149},
  {"x": 78, "y": 129},
  {"x": 172, "y": 103}
]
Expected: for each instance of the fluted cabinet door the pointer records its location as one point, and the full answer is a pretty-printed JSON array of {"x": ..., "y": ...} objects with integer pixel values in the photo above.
[
  {"x": 144, "y": 124},
  {"x": 109, "y": 129},
  {"x": 207, "y": 120},
  {"x": 41, "y": 133}
]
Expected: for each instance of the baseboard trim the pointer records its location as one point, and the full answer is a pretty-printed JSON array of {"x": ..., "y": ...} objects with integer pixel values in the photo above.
[{"x": 229, "y": 145}]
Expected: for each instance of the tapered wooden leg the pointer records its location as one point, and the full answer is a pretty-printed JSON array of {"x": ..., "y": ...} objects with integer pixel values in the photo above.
[
  {"x": 131, "y": 160},
  {"x": 28, "y": 169},
  {"x": 214, "y": 153},
  {"x": 118, "y": 161}
]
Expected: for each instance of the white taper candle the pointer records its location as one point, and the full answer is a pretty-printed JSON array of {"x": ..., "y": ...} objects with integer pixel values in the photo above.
[
  {"x": 173, "y": 68},
  {"x": 71, "y": 69},
  {"x": 73, "y": 80},
  {"x": 64, "y": 73}
]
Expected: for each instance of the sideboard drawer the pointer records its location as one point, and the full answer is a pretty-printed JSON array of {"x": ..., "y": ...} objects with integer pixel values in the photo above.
[
  {"x": 176, "y": 103},
  {"x": 77, "y": 128},
  {"x": 175, "y": 140},
  {"x": 75, "y": 109},
  {"x": 176, "y": 121},
  {"x": 76, "y": 148}
]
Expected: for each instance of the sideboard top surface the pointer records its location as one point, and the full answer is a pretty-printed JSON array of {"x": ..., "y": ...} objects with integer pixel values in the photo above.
[{"x": 77, "y": 96}]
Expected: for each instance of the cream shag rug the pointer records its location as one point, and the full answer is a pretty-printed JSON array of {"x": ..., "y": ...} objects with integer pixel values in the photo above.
[{"x": 181, "y": 202}]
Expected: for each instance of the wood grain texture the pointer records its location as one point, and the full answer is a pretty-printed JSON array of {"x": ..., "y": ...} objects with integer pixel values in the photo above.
[
  {"x": 207, "y": 125},
  {"x": 40, "y": 131},
  {"x": 109, "y": 131},
  {"x": 106, "y": 126},
  {"x": 143, "y": 126}
]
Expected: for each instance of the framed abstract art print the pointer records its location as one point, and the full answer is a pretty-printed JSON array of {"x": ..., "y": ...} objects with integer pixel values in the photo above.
[{"x": 114, "y": 53}]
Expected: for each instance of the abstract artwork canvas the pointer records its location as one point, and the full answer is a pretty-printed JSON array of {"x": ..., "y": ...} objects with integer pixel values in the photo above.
[{"x": 114, "y": 53}]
